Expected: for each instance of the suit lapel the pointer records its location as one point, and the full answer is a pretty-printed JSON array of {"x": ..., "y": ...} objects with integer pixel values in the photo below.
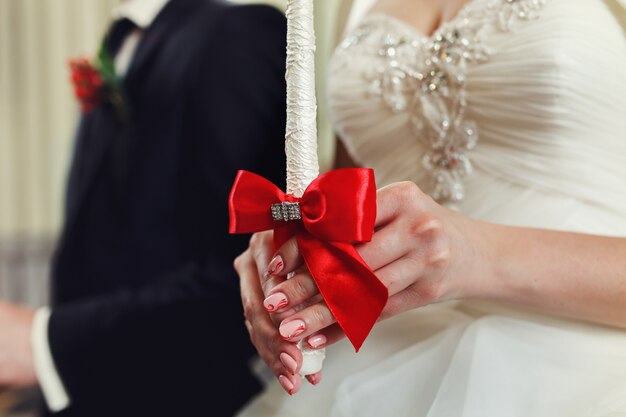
[{"x": 99, "y": 130}]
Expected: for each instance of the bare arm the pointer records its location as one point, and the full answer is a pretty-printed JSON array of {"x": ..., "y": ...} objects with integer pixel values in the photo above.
[{"x": 575, "y": 275}]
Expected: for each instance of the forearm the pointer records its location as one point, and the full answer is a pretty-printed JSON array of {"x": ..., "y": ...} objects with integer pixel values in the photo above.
[{"x": 569, "y": 274}]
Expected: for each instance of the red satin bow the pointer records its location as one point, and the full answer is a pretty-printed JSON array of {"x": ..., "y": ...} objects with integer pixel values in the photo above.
[{"x": 338, "y": 209}]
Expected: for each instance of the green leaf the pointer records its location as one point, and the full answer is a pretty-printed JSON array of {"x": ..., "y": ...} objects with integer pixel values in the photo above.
[
  {"x": 117, "y": 96},
  {"x": 106, "y": 67}
]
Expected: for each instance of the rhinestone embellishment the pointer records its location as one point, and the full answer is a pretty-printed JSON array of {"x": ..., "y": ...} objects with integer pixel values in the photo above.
[
  {"x": 286, "y": 211},
  {"x": 426, "y": 76}
]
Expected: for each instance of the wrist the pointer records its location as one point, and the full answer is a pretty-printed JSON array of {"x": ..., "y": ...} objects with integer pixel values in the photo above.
[
  {"x": 497, "y": 251},
  {"x": 16, "y": 357},
  {"x": 29, "y": 376},
  {"x": 479, "y": 272}
]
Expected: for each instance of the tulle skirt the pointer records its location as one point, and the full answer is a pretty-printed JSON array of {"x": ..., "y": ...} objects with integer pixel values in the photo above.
[{"x": 472, "y": 360}]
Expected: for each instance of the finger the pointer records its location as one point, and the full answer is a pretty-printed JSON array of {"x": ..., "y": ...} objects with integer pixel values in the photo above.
[
  {"x": 387, "y": 204},
  {"x": 273, "y": 300},
  {"x": 397, "y": 198},
  {"x": 315, "y": 378},
  {"x": 326, "y": 337},
  {"x": 297, "y": 384},
  {"x": 380, "y": 254},
  {"x": 271, "y": 281},
  {"x": 399, "y": 275},
  {"x": 263, "y": 332},
  {"x": 401, "y": 235},
  {"x": 396, "y": 304},
  {"x": 417, "y": 295},
  {"x": 282, "y": 357},
  {"x": 385, "y": 247},
  {"x": 249, "y": 286},
  {"x": 306, "y": 322},
  {"x": 291, "y": 384},
  {"x": 283, "y": 314},
  {"x": 286, "y": 259},
  {"x": 262, "y": 248},
  {"x": 290, "y": 293}
]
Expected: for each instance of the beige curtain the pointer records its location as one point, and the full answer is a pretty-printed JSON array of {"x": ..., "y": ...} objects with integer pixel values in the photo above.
[
  {"x": 37, "y": 112},
  {"x": 37, "y": 119}
]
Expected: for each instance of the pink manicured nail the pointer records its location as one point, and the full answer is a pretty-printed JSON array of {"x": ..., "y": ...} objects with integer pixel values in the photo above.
[
  {"x": 275, "y": 302},
  {"x": 317, "y": 340},
  {"x": 276, "y": 265},
  {"x": 314, "y": 379},
  {"x": 288, "y": 362},
  {"x": 291, "y": 329},
  {"x": 286, "y": 384}
]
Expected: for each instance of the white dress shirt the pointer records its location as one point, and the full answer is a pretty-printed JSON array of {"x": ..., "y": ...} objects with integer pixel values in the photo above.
[{"x": 142, "y": 13}]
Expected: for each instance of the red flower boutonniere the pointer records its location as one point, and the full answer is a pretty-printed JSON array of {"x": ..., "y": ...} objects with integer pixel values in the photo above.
[{"x": 97, "y": 84}]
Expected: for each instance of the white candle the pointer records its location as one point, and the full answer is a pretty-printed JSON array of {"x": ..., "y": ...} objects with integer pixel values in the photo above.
[{"x": 301, "y": 131}]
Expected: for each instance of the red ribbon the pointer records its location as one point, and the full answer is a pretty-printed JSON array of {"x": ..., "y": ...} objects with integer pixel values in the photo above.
[{"x": 338, "y": 209}]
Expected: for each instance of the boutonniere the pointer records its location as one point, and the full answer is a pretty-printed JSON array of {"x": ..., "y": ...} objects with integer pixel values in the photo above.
[{"x": 96, "y": 83}]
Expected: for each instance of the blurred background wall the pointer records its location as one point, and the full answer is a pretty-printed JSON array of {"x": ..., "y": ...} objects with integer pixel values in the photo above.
[
  {"x": 38, "y": 114},
  {"x": 37, "y": 117}
]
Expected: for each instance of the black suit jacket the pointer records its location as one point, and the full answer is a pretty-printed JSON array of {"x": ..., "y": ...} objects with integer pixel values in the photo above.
[{"x": 146, "y": 311}]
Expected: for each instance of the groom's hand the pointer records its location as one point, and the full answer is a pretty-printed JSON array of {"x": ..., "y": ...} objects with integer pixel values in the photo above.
[{"x": 16, "y": 356}]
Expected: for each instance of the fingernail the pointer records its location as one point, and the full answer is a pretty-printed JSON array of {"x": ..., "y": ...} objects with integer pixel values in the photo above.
[
  {"x": 288, "y": 362},
  {"x": 275, "y": 302},
  {"x": 291, "y": 329},
  {"x": 286, "y": 384},
  {"x": 276, "y": 265},
  {"x": 315, "y": 378},
  {"x": 317, "y": 341}
]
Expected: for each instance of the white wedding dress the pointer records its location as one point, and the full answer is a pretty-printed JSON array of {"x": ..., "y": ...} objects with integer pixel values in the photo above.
[{"x": 513, "y": 112}]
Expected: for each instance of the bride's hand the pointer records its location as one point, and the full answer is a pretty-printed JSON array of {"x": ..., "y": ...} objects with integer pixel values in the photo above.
[
  {"x": 422, "y": 252},
  {"x": 283, "y": 357}
]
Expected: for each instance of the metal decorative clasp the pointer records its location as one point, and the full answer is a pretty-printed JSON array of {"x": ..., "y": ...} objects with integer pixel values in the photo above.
[{"x": 286, "y": 211}]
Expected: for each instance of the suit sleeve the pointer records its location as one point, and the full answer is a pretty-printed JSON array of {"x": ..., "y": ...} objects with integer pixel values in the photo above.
[{"x": 140, "y": 348}]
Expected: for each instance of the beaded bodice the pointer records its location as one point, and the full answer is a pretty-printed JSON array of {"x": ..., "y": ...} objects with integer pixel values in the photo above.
[
  {"x": 430, "y": 90},
  {"x": 426, "y": 77}
]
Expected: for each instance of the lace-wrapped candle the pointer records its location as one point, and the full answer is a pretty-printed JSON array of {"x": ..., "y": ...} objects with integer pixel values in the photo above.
[
  {"x": 326, "y": 213},
  {"x": 301, "y": 130}
]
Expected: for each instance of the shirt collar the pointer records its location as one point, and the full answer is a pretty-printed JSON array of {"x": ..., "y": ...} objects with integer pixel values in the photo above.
[{"x": 141, "y": 12}]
